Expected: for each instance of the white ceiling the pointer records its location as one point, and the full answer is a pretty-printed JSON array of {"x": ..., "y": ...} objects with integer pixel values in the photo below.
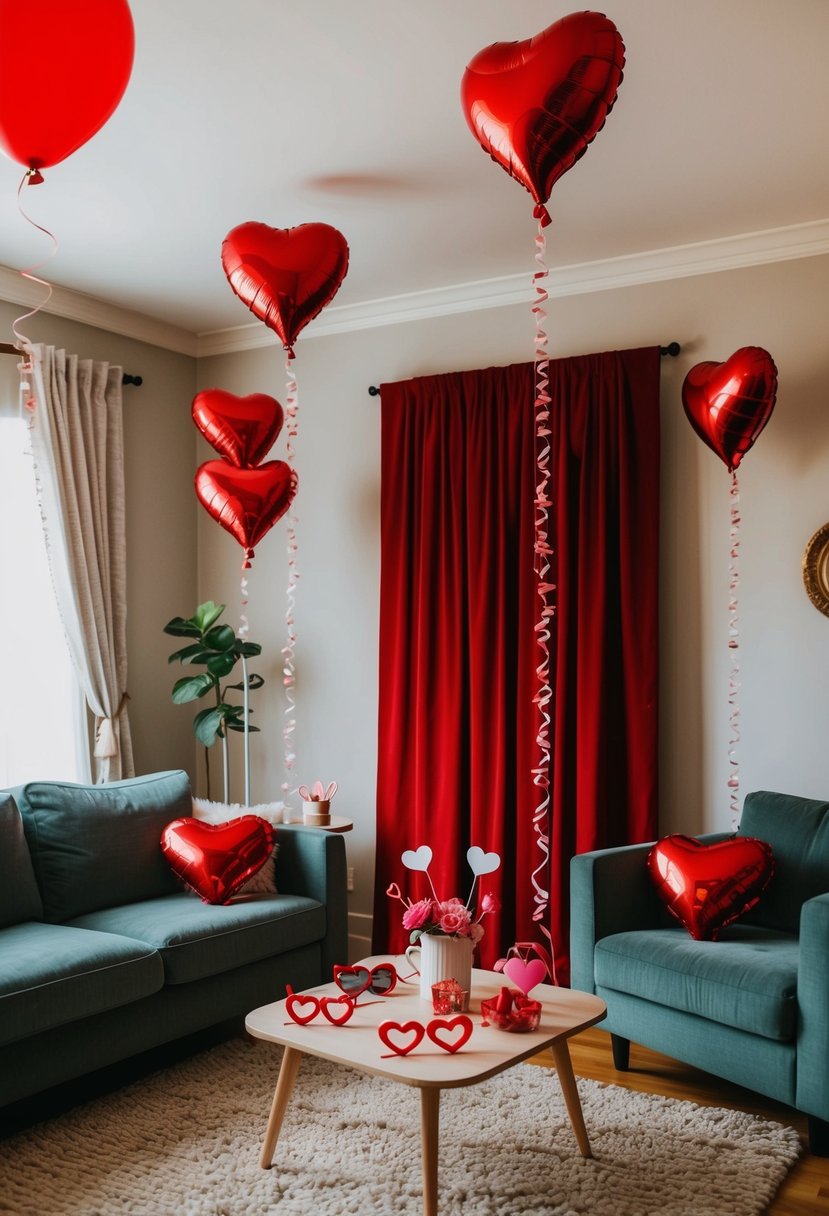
[{"x": 348, "y": 113}]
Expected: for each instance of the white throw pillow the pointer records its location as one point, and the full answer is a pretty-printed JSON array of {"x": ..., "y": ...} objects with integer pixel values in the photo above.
[{"x": 264, "y": 880}]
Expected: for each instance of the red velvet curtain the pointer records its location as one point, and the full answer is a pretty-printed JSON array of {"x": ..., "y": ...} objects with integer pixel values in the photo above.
[{"x": 458, "y": 608}]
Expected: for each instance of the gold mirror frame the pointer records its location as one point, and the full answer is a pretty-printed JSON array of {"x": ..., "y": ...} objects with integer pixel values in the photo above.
[{"x": 816, "y": 569}]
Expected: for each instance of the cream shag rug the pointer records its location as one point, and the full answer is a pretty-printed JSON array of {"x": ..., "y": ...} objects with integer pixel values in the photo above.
[{"x": 187, "y": 1140}]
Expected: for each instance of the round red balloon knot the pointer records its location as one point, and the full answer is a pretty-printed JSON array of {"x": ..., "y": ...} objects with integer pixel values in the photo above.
[
  {"x": 35, "y": 177},
  {"x": 540, "y": 212}
]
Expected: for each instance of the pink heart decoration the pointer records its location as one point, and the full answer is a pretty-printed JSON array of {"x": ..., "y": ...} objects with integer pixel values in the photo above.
[
  {"x": 414, "y": 1030},
  {"x": 525, "y": 975},
  {"x": 242, "y": 429},
  {"x": 417, "y": 859},
  {"x": 481, "y": 862},
  {"x": 440, "y": 1027}
]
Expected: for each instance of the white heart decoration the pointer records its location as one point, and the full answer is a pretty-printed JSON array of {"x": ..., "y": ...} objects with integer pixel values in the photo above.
[
  {"x": 481, "y": 862},
  {"x": 417, "y": 859}
]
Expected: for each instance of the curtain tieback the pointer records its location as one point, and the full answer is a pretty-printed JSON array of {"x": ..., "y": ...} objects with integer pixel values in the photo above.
[{"x": 106, "y": 745}]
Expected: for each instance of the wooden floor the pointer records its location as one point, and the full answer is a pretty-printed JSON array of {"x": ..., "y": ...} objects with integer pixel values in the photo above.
[{"x": 806, "y": 1190}]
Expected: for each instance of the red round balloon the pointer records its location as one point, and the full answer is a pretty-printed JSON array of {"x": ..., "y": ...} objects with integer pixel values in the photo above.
[
  {"x": 285, "y": 275},
  {"x": 246, "y": 502},
  {"x": 535, "y": 105},
  {"x": 216, "y": 859},
  {"x": 729, "y": 403},
  {"x": 63, "y": 70},
  {"x": 707, "y": 886},
  {"x": 242, "y": 429}
]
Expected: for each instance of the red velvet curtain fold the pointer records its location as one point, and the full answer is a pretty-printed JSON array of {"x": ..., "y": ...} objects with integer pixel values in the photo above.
[{"x": 458, "y": 608}]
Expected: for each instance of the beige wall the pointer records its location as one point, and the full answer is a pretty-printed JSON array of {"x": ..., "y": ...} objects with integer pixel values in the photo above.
[
  {"x": 785, "y": 497},
  {"x": 161, "y": 522}
]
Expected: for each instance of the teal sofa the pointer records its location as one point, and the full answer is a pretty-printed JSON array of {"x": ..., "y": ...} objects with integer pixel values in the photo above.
[
  {"x": 752, "y": 1007},
  {"x": 104, "y": 954}
]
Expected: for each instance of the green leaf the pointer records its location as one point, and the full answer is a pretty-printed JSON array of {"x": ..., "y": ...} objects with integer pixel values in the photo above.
[
  {"x": 207, "y": 725},
  {"x": 254, "y": 682},
  {"x": 220, "y": 637},
  {"x": 179, "y": 628},
  {"x": 240, "y": 726},
  {"x": 220, "y": 665},
  {"x": 206, "y": 615},
  {"x": 248, "y": 650},
  {"x": 190, "y": 688},
  {"x": 194, "y": 653}
]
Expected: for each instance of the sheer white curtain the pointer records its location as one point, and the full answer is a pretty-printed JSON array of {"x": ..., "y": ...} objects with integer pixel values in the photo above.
[{"x": 77, "y": 445}]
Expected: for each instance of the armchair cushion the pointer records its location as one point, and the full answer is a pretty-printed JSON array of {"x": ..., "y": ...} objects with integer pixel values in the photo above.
[
  {"x": 748, "y": 979},
  {"x": 798, "y": 831}
]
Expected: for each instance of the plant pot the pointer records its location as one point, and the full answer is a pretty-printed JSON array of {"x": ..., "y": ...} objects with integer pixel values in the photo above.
[{"x": 316, "y": 814}]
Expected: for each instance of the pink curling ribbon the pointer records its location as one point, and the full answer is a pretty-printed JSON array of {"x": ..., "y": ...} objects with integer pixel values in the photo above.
[
  {"x": 544, "y": 589},
  {"x": 288, "y": 665},
  {"x": 734, "y": 647},
  {"x": 31, "y": 178},
  {"x": 244, "y": 623}
]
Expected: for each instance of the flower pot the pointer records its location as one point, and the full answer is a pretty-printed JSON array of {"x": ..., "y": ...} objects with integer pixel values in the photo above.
[
  {"x": 316, "y": 814},
  {"x": 438, "y": 957}
]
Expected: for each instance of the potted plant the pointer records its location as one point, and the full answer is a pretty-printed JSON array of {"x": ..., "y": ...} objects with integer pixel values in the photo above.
[{"x": 218, "y": 649}]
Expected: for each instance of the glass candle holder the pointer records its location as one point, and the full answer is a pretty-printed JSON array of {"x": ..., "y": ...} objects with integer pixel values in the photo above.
[{"x": 449, "y": 997}]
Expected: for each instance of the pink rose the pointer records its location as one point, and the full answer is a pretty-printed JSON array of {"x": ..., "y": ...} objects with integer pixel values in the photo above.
[
  {"x": 453, "y": 917},
  {"x": 476, "y": 932},
  {"x": 416, "y": 915},
  {"x": 489, "y": 903}
]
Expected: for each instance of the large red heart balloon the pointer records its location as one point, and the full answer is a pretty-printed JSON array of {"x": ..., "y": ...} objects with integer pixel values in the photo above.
[
  {"x": 246, "y": 502},
  {"x": 216, "y": 859},
  {"x": 242, "y": 429},
  {"x": 534, "y": 106},
  {"x": 63, "y": 69},
  {"x": 707, "y": 886},
  {"x": 729, "y": 403},
  {"x": 285, "y": 275}
]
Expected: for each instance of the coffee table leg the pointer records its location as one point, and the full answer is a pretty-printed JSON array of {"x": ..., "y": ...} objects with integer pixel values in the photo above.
[
  {"x": 288, "y": 1070},
  {"x": 429, "y": 1120},
  {"x": 561, "y": 1055}
]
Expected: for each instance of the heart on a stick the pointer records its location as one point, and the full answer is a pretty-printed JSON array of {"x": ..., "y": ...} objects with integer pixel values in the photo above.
[
  {"x": 417, "y": 859},
  {"x": 525, "y": 976},
  {"x": 481, "y": 862},
  {"x": 728, "y": 404},
  {"x": 401, "y": 1037},
  {"x": 242, "y": 429},
  {"x": 246, "y": 502}
]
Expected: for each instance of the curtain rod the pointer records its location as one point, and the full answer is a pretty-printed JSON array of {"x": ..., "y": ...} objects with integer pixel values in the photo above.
[
  {"x": 6, "y": 348},
  {"x": 672, "y": 349}
]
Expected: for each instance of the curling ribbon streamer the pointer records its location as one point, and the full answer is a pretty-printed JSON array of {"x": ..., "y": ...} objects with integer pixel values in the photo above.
[
  {"x": 244, "y": 623},
  {"x": 734, "y": 648},
  {"x": 544, "y": 590},
  {"x": 32, "y": 177},
  {"x": 288, "y": 666}
]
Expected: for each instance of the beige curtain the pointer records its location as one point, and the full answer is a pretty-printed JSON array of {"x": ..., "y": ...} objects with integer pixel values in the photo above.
[{"x": 78, "y": 450}]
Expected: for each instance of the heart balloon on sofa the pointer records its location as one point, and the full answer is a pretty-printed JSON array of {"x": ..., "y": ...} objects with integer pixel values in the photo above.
[
  {"x": 535, "y": 105},
  {"x": 285, "y": 275},
  {"x": 708, "y": 886},
  {"x": 729, "y": 403},
  {"x": 216, "y": 859},
  {"x": 242, "y": 429},
  {"x": 246, "y": 502}
]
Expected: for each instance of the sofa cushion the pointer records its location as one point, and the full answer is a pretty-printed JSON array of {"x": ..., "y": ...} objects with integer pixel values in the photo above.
[
  {"x": 196, "y": 939},
  {"x": 798, "y": 831},
  {"x": 19, "y": 896},
  {"x": 747, "y": 979},
  {"x": 50, "y": 974},
  {"x": 94, "y": 846}
]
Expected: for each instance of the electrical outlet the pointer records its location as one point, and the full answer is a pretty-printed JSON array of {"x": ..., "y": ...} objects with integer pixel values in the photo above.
[{"x": 349, "y": 882}]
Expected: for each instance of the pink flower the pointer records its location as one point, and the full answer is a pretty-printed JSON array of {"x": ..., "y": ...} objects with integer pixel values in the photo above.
[
  {"x": 453, "y": 917},
  {"x": 416, "y": 915},
  {"x": 476, "y": 932},
  {"x": 489, "y": 903}
]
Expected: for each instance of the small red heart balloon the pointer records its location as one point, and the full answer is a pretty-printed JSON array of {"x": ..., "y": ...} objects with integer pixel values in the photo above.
[
  {"x": 246, "y": 502},
  {"x": 534, "y": 106},
  {"x": 707, "y": 886},
  {"x": 242, "y": 429},
  {"x": 216, "y": 859},
  {"x": 285, "y": 275},
  {"x": 729, "y": 403}
]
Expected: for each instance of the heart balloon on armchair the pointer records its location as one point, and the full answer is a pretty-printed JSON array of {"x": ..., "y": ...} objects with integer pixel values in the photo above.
[
  {"x": 707, "y": 886},
  {"x": 216, "y": 859}
]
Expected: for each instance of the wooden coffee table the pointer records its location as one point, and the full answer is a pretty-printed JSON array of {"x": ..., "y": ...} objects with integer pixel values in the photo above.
[{"x": 428, "y": 1068}]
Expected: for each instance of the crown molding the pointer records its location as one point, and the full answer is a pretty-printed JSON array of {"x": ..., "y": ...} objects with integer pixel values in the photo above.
[
  {"x": 75, "y": 306},
  {"x": 651, "y": 266}
]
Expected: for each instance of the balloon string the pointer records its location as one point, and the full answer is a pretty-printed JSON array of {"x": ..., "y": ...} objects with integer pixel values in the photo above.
[
  {"x": 288, "y": 661},
  {"x": 244, "y": 623},
  {"x": 734, "y": 648},
  {"x": 22, "y": 340},
  {"x": 544, "y": 587}
]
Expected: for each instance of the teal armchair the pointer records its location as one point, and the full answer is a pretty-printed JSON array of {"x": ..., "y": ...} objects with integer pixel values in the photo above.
[{"x": 752, "y": 1007}]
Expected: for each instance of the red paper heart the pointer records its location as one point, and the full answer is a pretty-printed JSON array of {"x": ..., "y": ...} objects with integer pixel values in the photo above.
[
  {"x": 242, "y": 429},
  {"x": 285, "y": 275},
  {"x": 535, "y": 105},
  {"x": 707, "y": 886},
  {"x": 414, "y": 1030},
  {"x": 246, "y": 502},
  {"x": 216, "y": 859},
  {"x": 729, "y": 403},
  {"x": 448, "y": 1026}
]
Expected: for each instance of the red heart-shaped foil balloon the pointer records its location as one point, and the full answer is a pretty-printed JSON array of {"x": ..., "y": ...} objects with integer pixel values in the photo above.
[
  {"x": 242, "y": 429},
  {"x": 246, "y": 502},
  {"x": 534, "y": 106},
  {"x": 285, "y": 275},
  {"x": 729, "y": 403},
  {"x": 707, "y": 886},
  {"x": 216, "y": 859}
]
